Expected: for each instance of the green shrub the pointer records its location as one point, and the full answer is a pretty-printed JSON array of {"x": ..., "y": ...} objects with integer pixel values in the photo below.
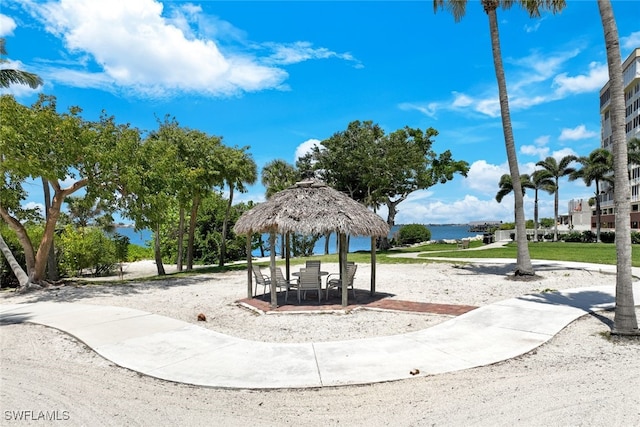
[
  {"x": 413, "y": 233},
  {"x": 607, "y": 236},
  {"x": 635, "y": 238},
  {"x": 573, "y": 236},
  {"x": 87, "y": 248},
  {"x": 137, "y": 253},
  {"x": 588, "y": 236}
]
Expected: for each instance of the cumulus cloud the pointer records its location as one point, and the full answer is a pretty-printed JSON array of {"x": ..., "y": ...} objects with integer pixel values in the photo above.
[
  {"x": 576, "y": 134},
  {"x": 593, "y": 80},
  {"x": 539, "y": 149},
  {"x": 462, "y": 211},
  {"x": 138, "y": 47},
  {"x": 7, "y": 25},
  {"x": 484, "y": 177},
  {"x": 305, "y": 148},
  {"x": 631, "y": 41}
]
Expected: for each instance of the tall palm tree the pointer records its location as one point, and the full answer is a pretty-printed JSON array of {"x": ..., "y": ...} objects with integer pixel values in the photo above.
[
  {"x": 625, "y": 321},
  {"x": 239, "y": 169},
  {"x": 533, "y": 7},
  {"x": 9, "y": 76},
  {"x": 557, "y": 171},
  {"x": 596, "y": 168},
  {"x": 506, "y": 187},
  {"x": 278, "y": 175},
  {"x": 540, "y": 180}
]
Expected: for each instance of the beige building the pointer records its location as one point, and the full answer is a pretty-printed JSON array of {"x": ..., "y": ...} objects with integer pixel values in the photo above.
[{"x": 631, "y": 82}]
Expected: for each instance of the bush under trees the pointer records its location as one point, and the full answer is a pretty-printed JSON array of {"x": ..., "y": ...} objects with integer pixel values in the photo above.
[{"x": 413, "y": 233}]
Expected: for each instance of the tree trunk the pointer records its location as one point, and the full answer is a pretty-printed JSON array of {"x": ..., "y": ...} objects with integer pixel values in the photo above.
[
  {"x": 598, "y": 212},
  {"x": 555, "y": 213},
  {"x": 523, "y": 262},
  {"x": 157, "y": 253},
  {"x": 327, "y": 236},
  {"x": 223, "y": 246},
  {"x": 392, "y": 207},
  {"x": 192, "y": 231},
  {"x": 180, "y": 239},
  {"x": 42, "y": 255},
  {"x": 23, "y": 238},
  {"x": 535, "y": 217},
  {"x": 625, "y": 321},
  {"x": 52, "y": 265},
  {"x": 22, "y": 277}
]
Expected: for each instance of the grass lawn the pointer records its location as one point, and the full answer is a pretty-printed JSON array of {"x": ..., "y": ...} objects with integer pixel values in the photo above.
[{"x": 599, "y": 253}]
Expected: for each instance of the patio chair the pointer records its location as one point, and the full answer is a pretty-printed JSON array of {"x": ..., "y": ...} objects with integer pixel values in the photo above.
[
  {"x": 336, "y": 283},
  {"x": 308, "y": 280},
  {"x": 282, "y": 283},
  {"x": 261, "y": 279},
  {"x": 464, "y": 244},
  {"x": 313, "y": 264}
]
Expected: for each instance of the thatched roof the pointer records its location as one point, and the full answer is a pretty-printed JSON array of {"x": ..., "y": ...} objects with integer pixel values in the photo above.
[{"x": 311, "y": 207}]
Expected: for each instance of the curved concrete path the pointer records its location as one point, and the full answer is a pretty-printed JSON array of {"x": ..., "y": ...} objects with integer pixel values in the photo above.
[{"x": 177, "y": 351}]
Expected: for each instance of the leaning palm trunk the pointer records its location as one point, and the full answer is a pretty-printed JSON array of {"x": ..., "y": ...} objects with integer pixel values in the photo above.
[
  {"x": 523, "y": 262},
  {"x": 22, "y": 277},
  {"x": 625, "y": 321}
]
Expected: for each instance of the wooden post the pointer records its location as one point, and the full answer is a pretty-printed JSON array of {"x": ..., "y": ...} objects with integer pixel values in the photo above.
[
  {"x": 272, "y": 253},
  {"x": 287, "y": 248},
  {"x": 373, "y": 265},
  {"x": 249, "y": 268},
  {"x": 343, "y": 269}
]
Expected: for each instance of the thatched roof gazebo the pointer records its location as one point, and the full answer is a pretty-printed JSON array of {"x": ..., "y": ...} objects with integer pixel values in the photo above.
[{"x": 311, "y": 207}]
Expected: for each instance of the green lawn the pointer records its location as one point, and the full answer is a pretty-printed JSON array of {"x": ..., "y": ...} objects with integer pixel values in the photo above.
[{"x": 599, "y": 253}]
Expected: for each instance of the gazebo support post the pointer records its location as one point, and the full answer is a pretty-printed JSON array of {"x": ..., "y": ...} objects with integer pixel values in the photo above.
[
  {"x": 249, "y": 269},
  {"x": 343, "y": 269},
  {"x": 272, "y": 256},
  {"x": 287, "y": 248},
  {"x": 373, "y": 266}
]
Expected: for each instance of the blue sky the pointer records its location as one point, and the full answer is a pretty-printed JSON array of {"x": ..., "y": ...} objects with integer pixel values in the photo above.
[{"x": 280, "y": 76}]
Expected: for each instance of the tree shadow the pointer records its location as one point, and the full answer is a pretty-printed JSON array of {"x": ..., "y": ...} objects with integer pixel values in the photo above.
[
  {"x": 590, "y": 301},
  {"x": 73, "y": 291}
]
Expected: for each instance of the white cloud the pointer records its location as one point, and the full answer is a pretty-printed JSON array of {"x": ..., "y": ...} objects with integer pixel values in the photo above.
[
  {"x": 484, "y": 177},
  {"x": 137, "y": 47},
  {"x": 7, "y": 25},
  {"x": 305, "y": 148},
  {"x": 577, "y": 133},
  {"x": 563, "y": 153},
  {"x": 532, "y": 28},
  {"x": 428, "y": 109},
  {"x": 535, "y": 150},
  {"x": 631, "y": 41},
  {"x": 540, "y": 148},
  {"x": 461, "y": 100},
  {"x": 490, "y": 107},
  {"x": 34, "y": 205},
  {"x": 285, "y": 54},
  {"x": 463, "y": 211},
  {"x": 596, "y": 77}
]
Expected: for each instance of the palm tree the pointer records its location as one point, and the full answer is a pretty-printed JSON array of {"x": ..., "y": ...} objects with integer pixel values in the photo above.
[
  {"x": 278, "y": 175},
  {"x": 533, "y": 7},
  {"x": 9, "y": 76},
  {"x": 506, "y": 187},
  {"x": 239, "y": 169},
  {"x": 596, "y": 168},
  {"x": 625, "y": 321},
  {"x": 540, "y": 180},
  {"x": 557, "y": 171}
]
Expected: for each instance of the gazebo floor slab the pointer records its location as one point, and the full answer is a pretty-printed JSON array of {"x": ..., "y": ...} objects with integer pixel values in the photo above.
[{"x": 363, "y": 300}]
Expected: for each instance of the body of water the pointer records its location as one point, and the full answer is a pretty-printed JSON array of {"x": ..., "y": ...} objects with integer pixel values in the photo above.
[
  {"x": 140, "y": 238},
  {"x": 438, "y": 232}
]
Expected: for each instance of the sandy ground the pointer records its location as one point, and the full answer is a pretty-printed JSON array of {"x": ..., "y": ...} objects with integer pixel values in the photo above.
[{"x": 578, "y": 378}]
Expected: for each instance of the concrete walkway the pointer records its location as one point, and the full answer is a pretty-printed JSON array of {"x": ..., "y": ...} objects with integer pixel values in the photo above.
[{"x": 177, "y": 351}]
